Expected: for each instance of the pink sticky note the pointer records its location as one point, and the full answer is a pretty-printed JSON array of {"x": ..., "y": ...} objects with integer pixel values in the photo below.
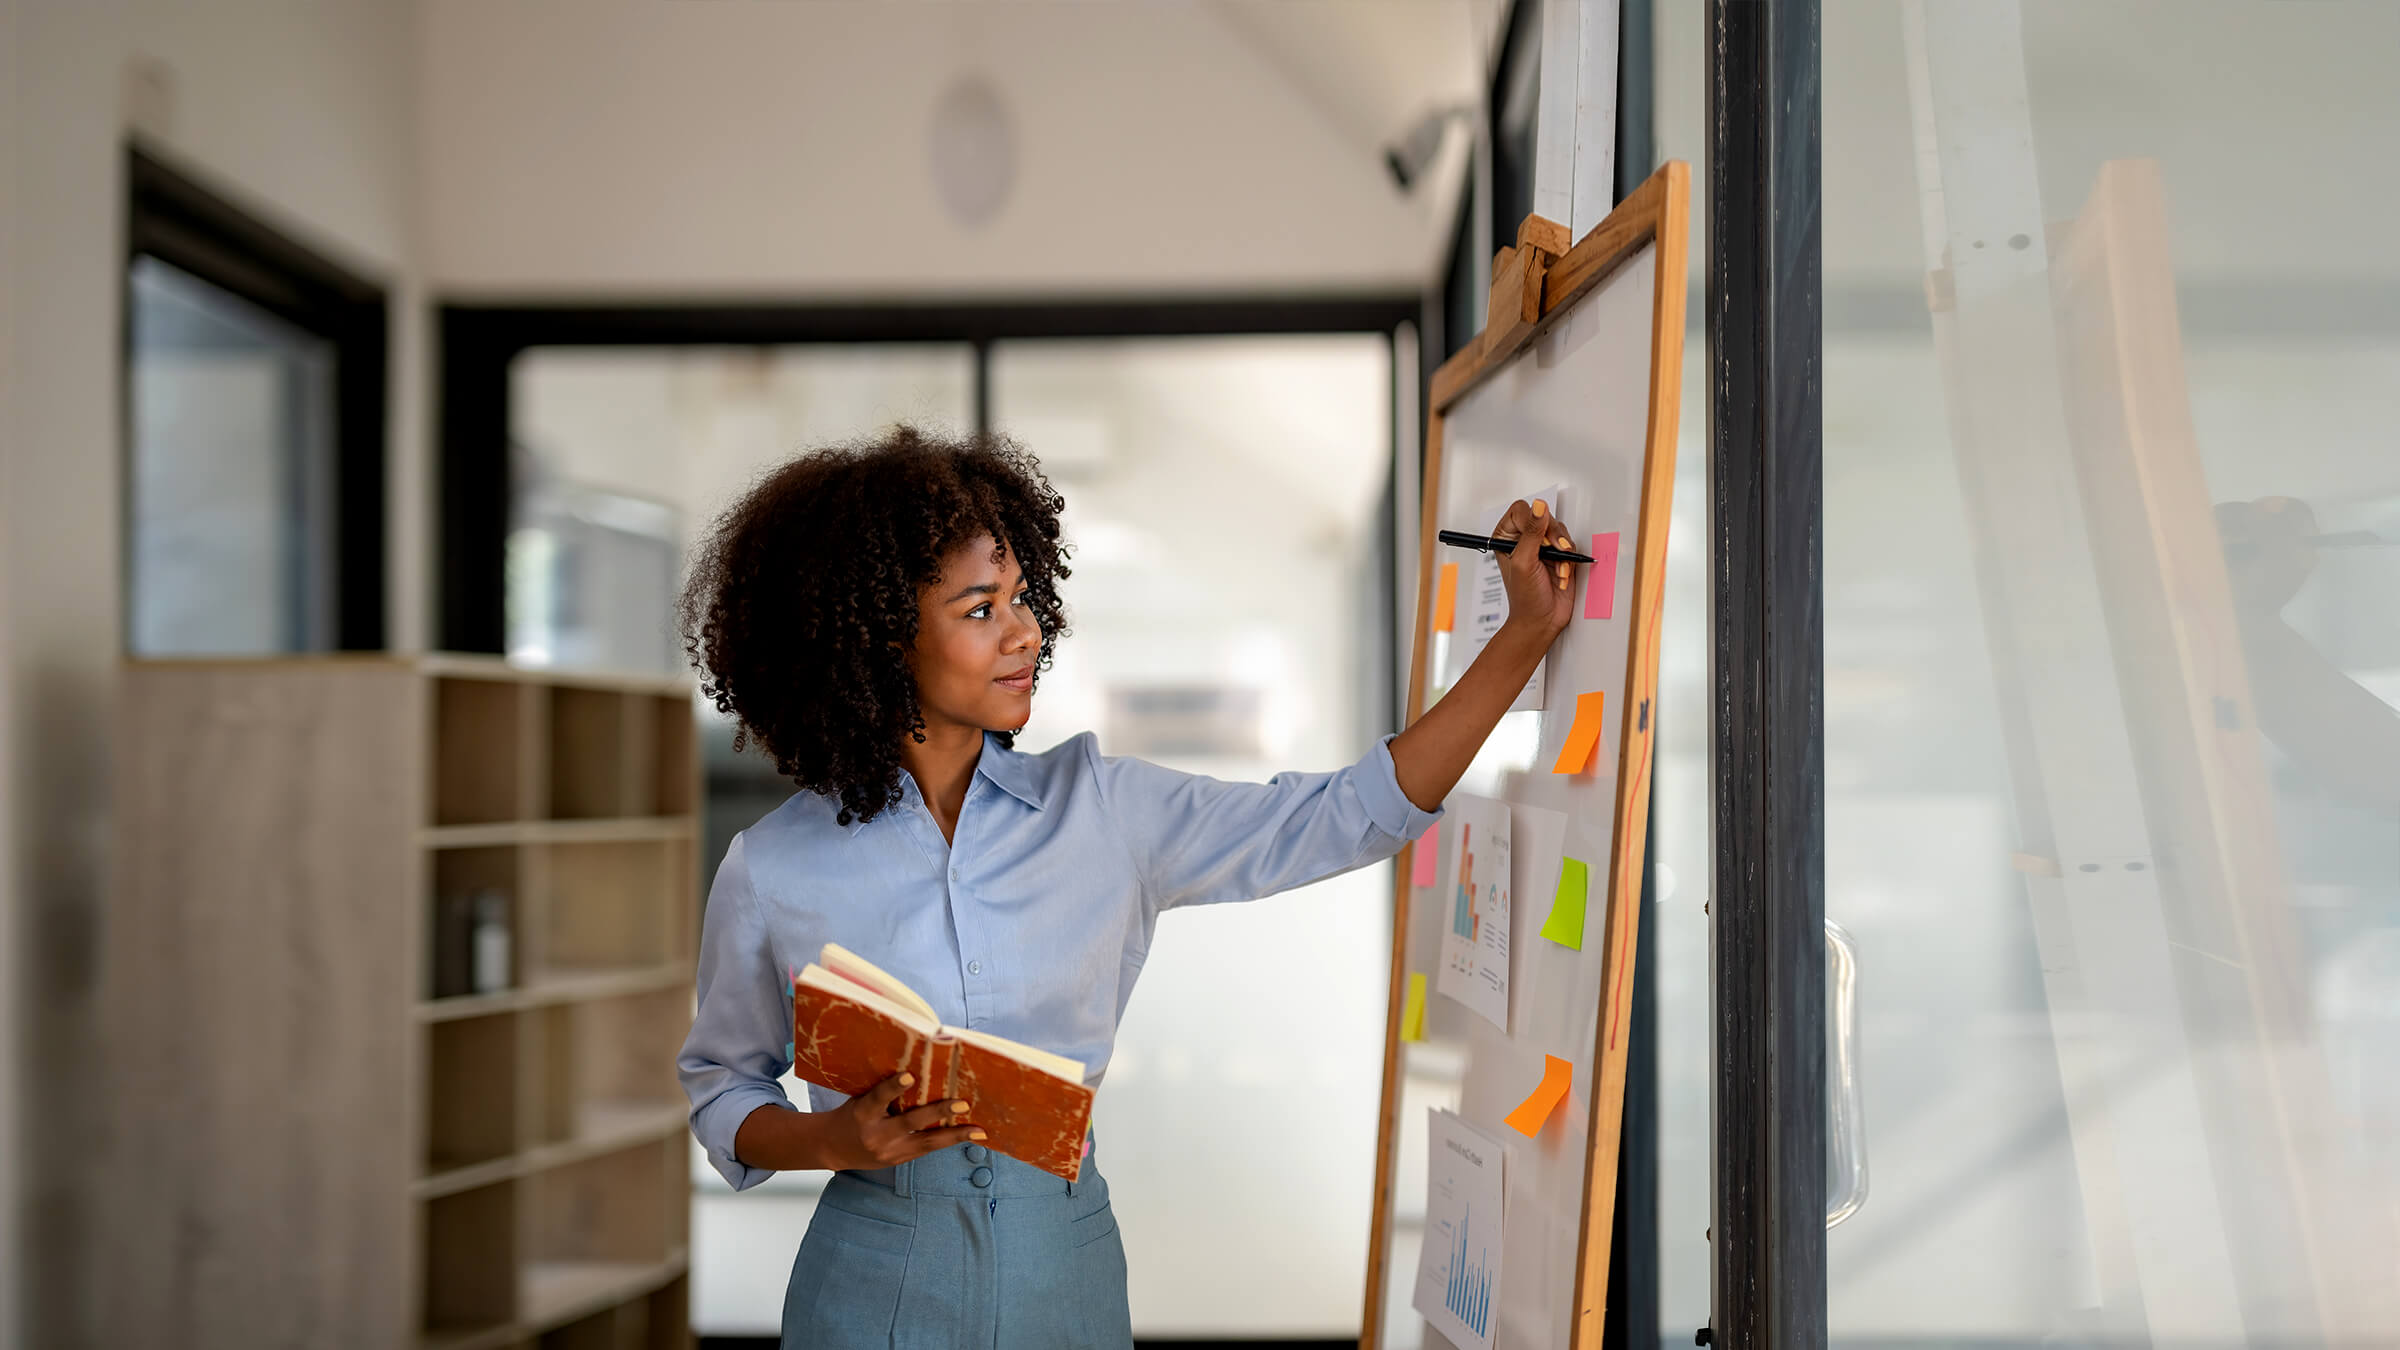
[
  {"x": 1600, "y": 587},
  {"x": 1422, "y": 873}
]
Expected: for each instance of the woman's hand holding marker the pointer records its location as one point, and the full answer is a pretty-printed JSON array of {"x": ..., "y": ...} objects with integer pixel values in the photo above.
[
  {"x": 1541, "y": 596},
  {"x": 1429, "y": 757}
]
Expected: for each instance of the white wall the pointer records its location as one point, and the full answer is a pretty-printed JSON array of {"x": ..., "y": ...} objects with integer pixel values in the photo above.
[
  {"x": 303, "y": 113},
  {"x": 573, "y": 146}
]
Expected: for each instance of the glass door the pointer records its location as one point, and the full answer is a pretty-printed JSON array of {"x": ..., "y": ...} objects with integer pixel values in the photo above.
[{"x": 2112, "y": 669}]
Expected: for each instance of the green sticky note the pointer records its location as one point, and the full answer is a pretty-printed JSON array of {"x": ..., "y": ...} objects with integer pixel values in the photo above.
[
  {"x": 1565, "y": 924},
  {"x": 1412, "y": 1009}
]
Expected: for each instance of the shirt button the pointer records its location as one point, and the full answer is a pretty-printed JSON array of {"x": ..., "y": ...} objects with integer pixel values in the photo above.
[
  {"x": 981, "y": 1176},
  {"x": 978, "y": 1153},
  {"x": 974, "y": 967}
]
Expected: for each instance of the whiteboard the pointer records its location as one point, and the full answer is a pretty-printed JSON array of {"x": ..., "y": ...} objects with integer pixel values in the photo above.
[{"x": 1586, "y": 405}]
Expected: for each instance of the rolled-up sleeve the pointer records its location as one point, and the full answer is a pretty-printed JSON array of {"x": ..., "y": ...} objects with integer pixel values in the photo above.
[
  {"x": 736, "y": 1051},
  {"x": 1198, "y": 840}
]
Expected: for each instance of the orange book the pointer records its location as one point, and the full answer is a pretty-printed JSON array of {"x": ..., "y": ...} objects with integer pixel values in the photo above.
[{"x": 854, "y": 1026}]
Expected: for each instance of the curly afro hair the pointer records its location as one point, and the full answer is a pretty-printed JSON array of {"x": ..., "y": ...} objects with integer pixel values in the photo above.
[{"x": 802, "y": 600}]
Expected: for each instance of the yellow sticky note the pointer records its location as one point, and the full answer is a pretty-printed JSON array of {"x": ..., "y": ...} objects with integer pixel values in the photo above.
[
  {"x": 1565, "y": 924},
  {"x": 1412, "y": 1009},
  {"x": 1582, "y": 734},
  {"x": 1528, "y": 1117},
  {"x": 1445, "y": 599}
]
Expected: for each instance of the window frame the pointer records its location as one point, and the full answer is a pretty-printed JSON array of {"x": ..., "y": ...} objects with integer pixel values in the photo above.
[{"x": 173, "y": 217}]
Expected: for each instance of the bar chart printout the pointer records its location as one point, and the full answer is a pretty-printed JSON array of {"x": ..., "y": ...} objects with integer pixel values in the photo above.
[
  {"x": 1458, "y": 1264},
  {"x": 1474, "y": 968}
]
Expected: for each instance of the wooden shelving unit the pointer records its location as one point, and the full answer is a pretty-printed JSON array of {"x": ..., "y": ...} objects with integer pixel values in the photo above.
[{"x": 313, "y": 1139}]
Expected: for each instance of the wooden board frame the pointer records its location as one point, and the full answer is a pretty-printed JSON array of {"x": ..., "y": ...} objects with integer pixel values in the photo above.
[{"x": 1656, "y": 213}]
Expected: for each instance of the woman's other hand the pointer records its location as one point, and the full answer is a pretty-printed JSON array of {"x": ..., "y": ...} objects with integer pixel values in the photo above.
[{"x": 863, "y": 1132}]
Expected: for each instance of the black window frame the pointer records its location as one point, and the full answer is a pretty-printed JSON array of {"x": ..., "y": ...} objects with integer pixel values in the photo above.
[
  {"x": 1764, "y": 311},
  {"x": 172, "y": 216}
]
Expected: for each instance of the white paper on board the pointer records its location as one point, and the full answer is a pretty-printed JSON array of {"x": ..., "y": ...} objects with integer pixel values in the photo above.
[
  {"x": 1475, "y": 898},
  {"x": 1458, "y": 1265}
]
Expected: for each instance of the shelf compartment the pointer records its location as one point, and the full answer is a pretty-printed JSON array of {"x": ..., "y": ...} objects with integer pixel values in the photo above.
[
  {"x": 558, "y": 1294},
  {"x": 588, "y": 754},
  {"x": 471, "y": 1091},
  {"x": 674, "y": 782},
  {"x": 683, "y": 901},
  {"x": 459, "y": 875},
  {"x": 608, "y": 1067},
  {"x": 658, "y": 1320},
  {"x": 616, "y": 1210},
  {"x": 670, "y": 1321},
  {"x": 481, "y": 750},
  {"x": 625, "y": 1048},
  {"x": 470, "y": 1266},
  {"x": 606, "y": 905}
]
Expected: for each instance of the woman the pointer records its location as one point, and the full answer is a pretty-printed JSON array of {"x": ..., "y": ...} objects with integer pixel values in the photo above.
[{"x": 875, "y": 617}]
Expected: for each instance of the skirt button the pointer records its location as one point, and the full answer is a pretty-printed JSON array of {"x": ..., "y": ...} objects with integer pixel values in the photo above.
[{"x": 981, "y": 1176}]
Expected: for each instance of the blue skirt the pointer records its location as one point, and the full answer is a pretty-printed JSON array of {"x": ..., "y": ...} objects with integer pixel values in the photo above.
[{"x": 964, "y": 1249}]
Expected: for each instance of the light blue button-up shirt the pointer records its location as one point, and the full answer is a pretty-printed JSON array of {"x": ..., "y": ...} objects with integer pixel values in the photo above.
[{"x": 1032, "y": 925}]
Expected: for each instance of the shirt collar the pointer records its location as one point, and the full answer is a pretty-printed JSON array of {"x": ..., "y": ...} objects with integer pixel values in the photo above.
[
  {"x": 1005, "y": 767},
  {"x": 1007, "y": 770}
]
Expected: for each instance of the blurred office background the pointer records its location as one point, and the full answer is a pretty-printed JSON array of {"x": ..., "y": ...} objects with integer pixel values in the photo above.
[{"x": 588, "y": 265}]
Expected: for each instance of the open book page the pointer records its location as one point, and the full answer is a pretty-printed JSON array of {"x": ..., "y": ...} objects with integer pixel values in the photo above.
[
  {"x": 915, "y": 1016},
  {"x": 840, "y": 960},
  {"x": 846, "y": 974},
  {"x": 1059, "y": 1065}
]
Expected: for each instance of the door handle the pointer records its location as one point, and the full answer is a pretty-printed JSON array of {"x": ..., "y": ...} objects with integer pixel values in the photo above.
[{"x": 1846, "y": 1140}]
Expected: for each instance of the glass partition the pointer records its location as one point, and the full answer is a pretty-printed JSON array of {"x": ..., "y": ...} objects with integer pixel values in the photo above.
[
  {"x": 2112, "y": 677},
  {"x": 1227, "y": 500}
]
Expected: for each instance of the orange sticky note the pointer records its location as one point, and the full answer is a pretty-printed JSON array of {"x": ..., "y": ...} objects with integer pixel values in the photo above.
[
  {"x": 1445, "y": 598},
  {"x": 1582, "y": 734},
  {"x": 1528, "y": 1117},
  {"x": 1421, "y": 858},
  {"x": 1412, "y": 1009}
]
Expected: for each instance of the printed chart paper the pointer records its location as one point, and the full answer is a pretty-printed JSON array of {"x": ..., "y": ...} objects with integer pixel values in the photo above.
[
  {"x": 1475, "y": 900},
  {"x": 1483, "y": 595},
  {"x": 1458, "y": 1267}
]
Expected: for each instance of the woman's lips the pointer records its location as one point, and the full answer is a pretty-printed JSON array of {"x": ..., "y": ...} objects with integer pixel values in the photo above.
[{"x": 1021, "y": 682}]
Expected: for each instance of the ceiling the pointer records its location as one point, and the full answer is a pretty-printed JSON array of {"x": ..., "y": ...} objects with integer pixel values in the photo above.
[{"x": 1370, "y": 68}]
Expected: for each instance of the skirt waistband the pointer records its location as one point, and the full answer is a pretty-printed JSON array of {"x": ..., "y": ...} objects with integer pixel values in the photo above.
[{"x": 974, "y": 1170}]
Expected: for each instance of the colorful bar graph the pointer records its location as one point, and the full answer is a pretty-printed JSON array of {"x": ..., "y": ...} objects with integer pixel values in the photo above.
[
  {"x": 1462, "y": 910},
  {"x": 1469, "y": 1291}
]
